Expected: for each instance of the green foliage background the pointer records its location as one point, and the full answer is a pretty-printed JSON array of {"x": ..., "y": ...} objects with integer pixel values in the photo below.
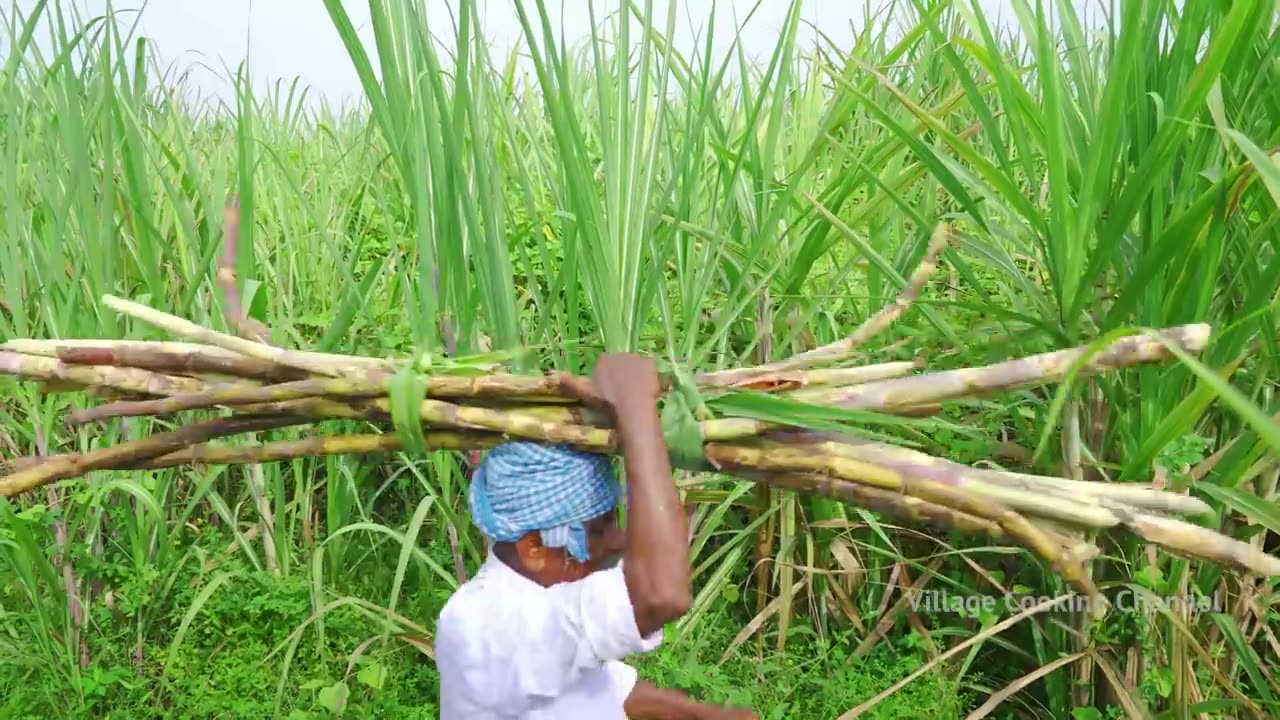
[{"x": 701, "y": 207}]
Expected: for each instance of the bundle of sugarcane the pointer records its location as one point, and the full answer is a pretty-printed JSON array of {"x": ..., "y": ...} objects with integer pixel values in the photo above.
[{"x": 715, "y": 421}]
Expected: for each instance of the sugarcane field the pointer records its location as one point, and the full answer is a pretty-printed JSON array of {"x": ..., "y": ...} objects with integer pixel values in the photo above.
[{"x": 706, "y": 359}]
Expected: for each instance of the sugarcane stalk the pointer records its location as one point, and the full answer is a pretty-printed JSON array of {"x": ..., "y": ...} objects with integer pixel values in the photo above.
[
  {"x": 815, "y": 381},
  {"x": 531, "y": 426},
  {"x": 185, "y": 358},
  {"x": 899, "y": 394},
  {"x": 514, "y": 423},
  {"x": 318, "y": 447},
  {"x": 318, "y": 363},
  {"x": 784, "y": 459},
  {"x": 378, "y": 409},
  {"x": 215, "y": 397},
  {"x": 1085, "y": 504},
  {"x": 905, "y": 507},
  {"x": 1081, "y": 504},
  {"x": 104, "y": 394},
  {"x": 319, "y": 408},
  {"x": 507, "y": 388},
  {"x": 146, "y": 353},
  {"x": 896, "y": 504},
  {"x": 929, "y": 388},
  {"x": 806, "y": 469},
  {"x": 504, "y": 387},
  {"x": 439, "y": 414},
  {"x": 924, "y": 465},
  {"x": 51, "y": 348},
  {"x": 1025, "y": 493},
  {"x": 129, "y": 380},
  {"x": 915, "y": 510},
  {"x": 1172, "y": 533},
  {"x": 783, "y": 380},
  {"x": 1195, "y": 541},
  {"x": 239, "y": 320},
  {"x": 13, "y": 465},
  {"x": 905, "y": 395},
  {"x": 173, "y": 363},
  {"x": 1052, "y": 505},
  {"x": 900, "y": 480},
  {"x": 127, "y": 455}
]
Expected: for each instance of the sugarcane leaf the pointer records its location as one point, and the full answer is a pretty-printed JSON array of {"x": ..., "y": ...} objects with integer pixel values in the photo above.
[
  {"x": 1268, "y": 430},
  {"x": 1245, "y": 656},
  {"x": 686, "y": 385},
  {"x": 757, "y": 406},
  {"x": 399, "y": 538},
  {"x": 407, "y": 391},
  {"x": 1176, "y": 422},
  {"x": 1266, "y": 163},
  {"x": 358, "y": 292},
  {"x": 407, "y": 547},
  {"x": 1179, "y": 625},
  {"x": 474, "y": 364},
  {"x": 811, "y": 416},
  {"x": 682, "y": 432},
  {"x": 254, "y": 299},
  {"x": 1259, "y": 510},
  {"x": 144, "y": 497}
]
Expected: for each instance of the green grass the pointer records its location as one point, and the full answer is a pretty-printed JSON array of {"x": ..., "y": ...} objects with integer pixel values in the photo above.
[
  {"x": 706, "y": 209},
  {"x": 224, "y": 666}
]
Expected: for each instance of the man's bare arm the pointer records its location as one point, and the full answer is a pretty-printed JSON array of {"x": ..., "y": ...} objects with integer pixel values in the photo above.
[
  {"x": 649, "y": 702},
  {"x": 655, "y": 562}
]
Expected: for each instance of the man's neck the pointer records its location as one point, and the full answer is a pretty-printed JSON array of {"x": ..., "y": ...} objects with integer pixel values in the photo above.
[{"x": 506, "y": 554}]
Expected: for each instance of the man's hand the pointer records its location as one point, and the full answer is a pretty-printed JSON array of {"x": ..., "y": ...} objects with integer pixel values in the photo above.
[
  {"x": 649, "y": 702},
  {"x": 622, "y": 383}
]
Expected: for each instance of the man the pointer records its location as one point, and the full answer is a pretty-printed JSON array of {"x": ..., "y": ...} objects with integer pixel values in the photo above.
[{"x": 540, "y": 632}]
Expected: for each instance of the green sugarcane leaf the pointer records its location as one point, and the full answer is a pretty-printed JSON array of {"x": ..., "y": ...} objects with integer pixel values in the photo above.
[
  {"x": 1268, "y": 430},
  {"x": 255, "y": 300},
  {"x": 1267, "y": 163},
  {"x": 472, "y": 365},
  {"x": 1245, "y": 656},
  {"x": 682, "y": 433},
  {"x": 1259, "y": 510},
  {"x": 407, "y": 391},
  {"x": 780, "y": 410},
  {"x": 680, "y": 427}
]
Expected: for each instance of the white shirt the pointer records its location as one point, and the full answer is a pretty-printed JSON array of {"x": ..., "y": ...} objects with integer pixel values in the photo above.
[{"x": 507, "y": 647}]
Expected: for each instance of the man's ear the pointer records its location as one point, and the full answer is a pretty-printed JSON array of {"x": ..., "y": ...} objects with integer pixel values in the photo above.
[{"x": 532, "y": 552}]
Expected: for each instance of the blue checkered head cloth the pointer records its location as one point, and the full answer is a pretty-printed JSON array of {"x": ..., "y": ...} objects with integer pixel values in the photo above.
[{"x": 523, "y": 487}]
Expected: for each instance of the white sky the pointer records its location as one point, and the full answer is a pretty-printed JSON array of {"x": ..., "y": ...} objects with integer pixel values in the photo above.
[{"x": 284, "y": 39}]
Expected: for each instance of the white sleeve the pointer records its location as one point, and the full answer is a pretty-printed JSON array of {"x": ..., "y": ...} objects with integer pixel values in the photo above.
[
  {"x": 622, "y": 680},
  {"x": 575, "y": 628}
]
